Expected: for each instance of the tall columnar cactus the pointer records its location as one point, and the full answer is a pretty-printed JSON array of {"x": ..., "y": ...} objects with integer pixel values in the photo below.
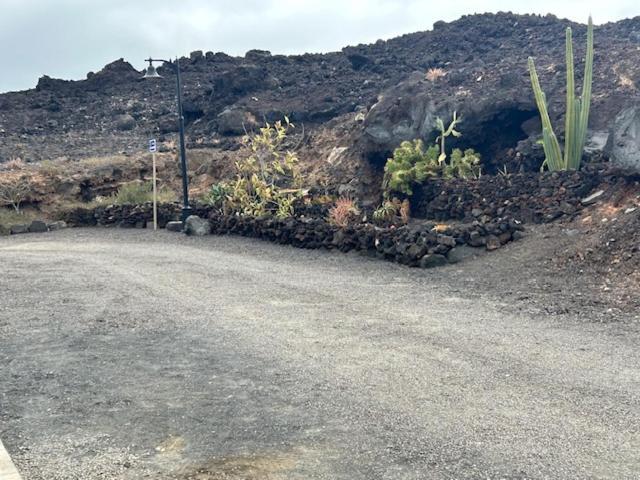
[{"x": 577, "y": 116}]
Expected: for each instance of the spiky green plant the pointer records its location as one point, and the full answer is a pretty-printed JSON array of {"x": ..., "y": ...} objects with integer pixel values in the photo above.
[
  {"x": 577, "y": 116},
  {"x": 410, "y": 164},
  {"x": 445, "y": 132}
]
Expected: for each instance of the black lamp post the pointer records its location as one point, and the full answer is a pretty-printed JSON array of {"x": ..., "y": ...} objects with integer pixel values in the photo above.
[{"x": 152, "y": 73}]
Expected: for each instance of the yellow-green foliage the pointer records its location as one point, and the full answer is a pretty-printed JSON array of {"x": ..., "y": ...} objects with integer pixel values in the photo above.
[
  {"x": 141, "y": 192},
  {"x": 217, "y": 196},
  {"x": 267, "y": 182},
  {"x": 577, "y": 116},
  {"x": 412, "y": 164},
  {"x": 386, "y": 212}
]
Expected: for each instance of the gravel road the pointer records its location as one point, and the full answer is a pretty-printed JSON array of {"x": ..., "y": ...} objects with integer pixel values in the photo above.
[{"x": 130, "y": 355}]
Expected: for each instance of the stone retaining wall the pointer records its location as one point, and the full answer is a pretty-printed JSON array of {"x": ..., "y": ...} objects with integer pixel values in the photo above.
[
  {"x": 423, "y": 243},
  {"x": 527, "y": 197}
]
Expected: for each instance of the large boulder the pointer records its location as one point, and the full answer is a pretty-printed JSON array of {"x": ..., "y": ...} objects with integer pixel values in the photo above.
[
  {"x": 59, "y": 225},
  {"x": 403, "y": 113},
  {"x": 197, "y": 226},
  {"x": 19, "y": 228},
  {"x": 243, "y": 79},
  {"x": 125, "y": 122},
  {"x": 38, "y": 226},
  {"x": 234, "y": 121},
  {"x": 174, "y": 226},
  {"x": 624, "y": 138}
]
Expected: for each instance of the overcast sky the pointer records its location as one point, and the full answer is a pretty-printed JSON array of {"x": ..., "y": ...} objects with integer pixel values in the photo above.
[{"x": 68, "y": 38}]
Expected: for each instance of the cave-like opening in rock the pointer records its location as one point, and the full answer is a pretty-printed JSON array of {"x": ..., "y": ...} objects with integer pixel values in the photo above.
[{"x": 495, "y": 135}]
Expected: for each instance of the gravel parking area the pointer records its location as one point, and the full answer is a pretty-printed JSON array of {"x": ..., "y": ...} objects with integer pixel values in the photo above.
[{"x": 127, "y": 354}]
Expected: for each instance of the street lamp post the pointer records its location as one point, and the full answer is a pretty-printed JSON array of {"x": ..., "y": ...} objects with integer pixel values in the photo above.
[{"x": 152, "y": 73}]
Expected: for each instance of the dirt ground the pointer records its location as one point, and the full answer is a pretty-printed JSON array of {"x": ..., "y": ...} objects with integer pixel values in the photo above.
[{"x": 129, "y": 355}]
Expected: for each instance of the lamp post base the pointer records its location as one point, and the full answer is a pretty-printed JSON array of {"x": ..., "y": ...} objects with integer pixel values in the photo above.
[{"x": 186, "y": 213}]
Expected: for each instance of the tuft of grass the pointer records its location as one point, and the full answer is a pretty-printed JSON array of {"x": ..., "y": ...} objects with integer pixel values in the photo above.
[
  {"x": 141, "y": 192},
  {"x": 8, "y": 217},
  {"x": 50, "y": 168},
  {"x": 434, "y": 74}
]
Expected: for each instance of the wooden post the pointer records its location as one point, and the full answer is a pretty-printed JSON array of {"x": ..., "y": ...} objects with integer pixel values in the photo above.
[{"x": 155, "y": 195}]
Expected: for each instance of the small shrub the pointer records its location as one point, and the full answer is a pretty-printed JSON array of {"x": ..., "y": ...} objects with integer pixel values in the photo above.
[
  {"x": 386, "y": 212},
  {"x": 218, "y": 196},
  {"x": 434, "y": 74},
  {"x": 15, "y": 163},
  {"x": 463, "y": 164},
  {"x": 268, "y": 181},
  {"x": 14, "y": 189},
  {"x": 343, "y": 212},
  {"x": 411, "y": 164},
  {"x": 49, "y": 168}
]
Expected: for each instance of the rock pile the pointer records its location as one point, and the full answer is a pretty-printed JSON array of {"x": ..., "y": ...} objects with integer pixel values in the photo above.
[{"x": 527, "y": 197}]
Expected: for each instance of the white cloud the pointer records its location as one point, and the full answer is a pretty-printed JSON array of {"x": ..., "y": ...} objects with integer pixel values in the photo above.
[{"x": 68, "y": 38}]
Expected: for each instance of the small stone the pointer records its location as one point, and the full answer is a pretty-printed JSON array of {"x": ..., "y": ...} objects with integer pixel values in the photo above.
[
  {"x": 174, "y": 226},
  {"x": 417, "y": 251},
  {"x": 476, "y": 212},
  {"x": 591, "y": 199},
  {"x": 462, "y": 252},
  {"x": 505, "y": 237},
  {"x": 60, "y": 225},
  {"x": 446, "y": 240},
  {"x": 567, "y": 208},
  {"x": 476, "y": 239},
  {"x": 197, "y": 226},
  {"x": 493, "y": 243},
  {"x": 19, "y": 228},
  {"x": 38, "y": 226},
  {"x": 432, "y": 261}
]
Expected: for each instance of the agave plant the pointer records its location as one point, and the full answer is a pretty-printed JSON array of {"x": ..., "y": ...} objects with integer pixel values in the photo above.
[{"x": 577, "y": 116}]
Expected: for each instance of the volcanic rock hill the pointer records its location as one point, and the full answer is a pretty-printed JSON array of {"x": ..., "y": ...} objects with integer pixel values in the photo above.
[{"x": 351, "y": 107}]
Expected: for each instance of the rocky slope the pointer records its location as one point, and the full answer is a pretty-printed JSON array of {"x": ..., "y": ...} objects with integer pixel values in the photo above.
[{"x": 351, "y": 107}]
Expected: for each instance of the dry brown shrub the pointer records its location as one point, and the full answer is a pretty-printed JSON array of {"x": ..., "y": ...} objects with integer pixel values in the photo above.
[
  {"x": 434, "y": 74},
  {"x": 343, "y": 212}
]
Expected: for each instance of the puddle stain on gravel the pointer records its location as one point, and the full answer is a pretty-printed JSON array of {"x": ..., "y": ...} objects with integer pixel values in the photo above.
[
  {"x": 250, "y": 467},
  {"x": 172, "y": 446}
]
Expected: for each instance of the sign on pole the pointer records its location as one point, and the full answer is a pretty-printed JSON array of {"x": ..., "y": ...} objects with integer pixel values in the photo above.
[{"x": 153, "y": 147}]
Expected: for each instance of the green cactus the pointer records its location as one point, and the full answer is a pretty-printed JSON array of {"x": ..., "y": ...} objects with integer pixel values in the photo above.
[{"x": 577, "y": 116}]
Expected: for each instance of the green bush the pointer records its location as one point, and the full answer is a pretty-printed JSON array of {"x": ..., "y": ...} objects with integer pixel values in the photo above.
[
  {"x": 217, "y": 196},
  {"x": 411, "y": 164}
]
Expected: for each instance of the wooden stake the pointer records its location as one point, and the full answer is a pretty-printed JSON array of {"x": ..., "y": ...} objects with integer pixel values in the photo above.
[{"x": 155, "y": 195}]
